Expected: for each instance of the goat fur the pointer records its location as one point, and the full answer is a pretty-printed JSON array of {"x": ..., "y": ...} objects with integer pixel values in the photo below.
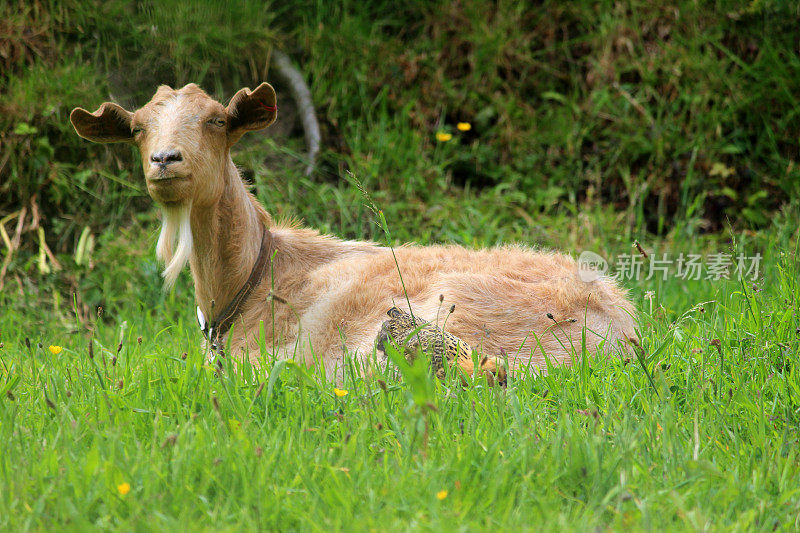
[{"x": 324, "y": 298}]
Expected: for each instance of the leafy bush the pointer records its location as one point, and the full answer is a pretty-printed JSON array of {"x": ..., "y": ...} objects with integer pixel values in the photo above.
[
  {"x": 62, "y": 55},
  {"x": 681, "y": 117},
  {"x": 674, "y": 112}
]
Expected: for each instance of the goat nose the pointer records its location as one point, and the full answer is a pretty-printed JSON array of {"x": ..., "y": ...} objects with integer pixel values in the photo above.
[{"x": 166, "y": 157}]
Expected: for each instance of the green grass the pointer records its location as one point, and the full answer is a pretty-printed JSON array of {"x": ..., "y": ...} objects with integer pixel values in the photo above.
[
  {"x": 680, "y": 116},
  {"x": 711, "y": 442},
  {"x": 593, "y": 125}
]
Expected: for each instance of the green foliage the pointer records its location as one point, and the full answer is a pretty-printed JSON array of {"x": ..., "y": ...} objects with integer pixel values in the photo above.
[
  {"x": 63, "y": 55},
  {"x": 591, "y": 125},
  {"x": 683, "y": 117},
  {"x": 643, "y": 105},
  {"x": 703, "y": 434}
]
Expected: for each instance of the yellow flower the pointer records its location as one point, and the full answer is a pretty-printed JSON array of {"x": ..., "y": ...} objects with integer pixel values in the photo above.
[
  {"x": 464, "y": 126},
  {"x": 720, "y": 169},
  {"x": 55, "y": 350},
  {"x": 442, "y": 494},
  {"x": 124, "y": 488},
  {"x": 443, "y": 136},
  {"x": 340, "y": 392}
]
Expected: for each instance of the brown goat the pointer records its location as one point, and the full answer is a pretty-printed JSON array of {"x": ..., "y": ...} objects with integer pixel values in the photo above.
[{"x": 316, "y": 296}]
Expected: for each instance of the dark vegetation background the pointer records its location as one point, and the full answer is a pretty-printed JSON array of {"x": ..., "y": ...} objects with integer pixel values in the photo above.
[{"x": 625, "y": 119}]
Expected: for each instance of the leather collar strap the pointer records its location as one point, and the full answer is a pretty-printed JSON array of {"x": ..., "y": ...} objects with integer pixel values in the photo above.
[{"x": 215, "y": 331}]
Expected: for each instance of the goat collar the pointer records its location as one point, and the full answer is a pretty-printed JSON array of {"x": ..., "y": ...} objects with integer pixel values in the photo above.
[{"x": 220, "y": 326}]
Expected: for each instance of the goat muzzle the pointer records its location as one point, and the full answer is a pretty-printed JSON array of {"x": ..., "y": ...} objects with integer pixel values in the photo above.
[{"x": 165, "y": 157}]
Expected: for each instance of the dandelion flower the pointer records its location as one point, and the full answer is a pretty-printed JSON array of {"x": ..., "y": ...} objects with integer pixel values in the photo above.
[
  {"x": 124, "y": 488},
  {"x": 443, "y": 136},
  {"x": 442, "y": 494},
  {"x": 55, "y": 350},
  {"x": 464, "y": 126},
  {"x": 340, "y": 392}
]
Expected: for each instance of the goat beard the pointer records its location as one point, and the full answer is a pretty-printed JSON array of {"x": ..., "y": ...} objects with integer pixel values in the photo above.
[{"x": 175, "y": 241}]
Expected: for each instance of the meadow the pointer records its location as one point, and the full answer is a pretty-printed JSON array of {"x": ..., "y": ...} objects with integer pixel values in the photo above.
[{"x": 591, "y": 127}]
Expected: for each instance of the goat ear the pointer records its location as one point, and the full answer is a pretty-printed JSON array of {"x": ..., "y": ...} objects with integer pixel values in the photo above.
[
  {"x": 109, "y": 124},
  {"x": 251, "y": 110}
]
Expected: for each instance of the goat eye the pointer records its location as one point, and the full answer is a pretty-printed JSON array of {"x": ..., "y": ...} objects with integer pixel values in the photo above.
[
  {"x": 217, "y": 122},
  {"x": 136, "y": 131}
]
